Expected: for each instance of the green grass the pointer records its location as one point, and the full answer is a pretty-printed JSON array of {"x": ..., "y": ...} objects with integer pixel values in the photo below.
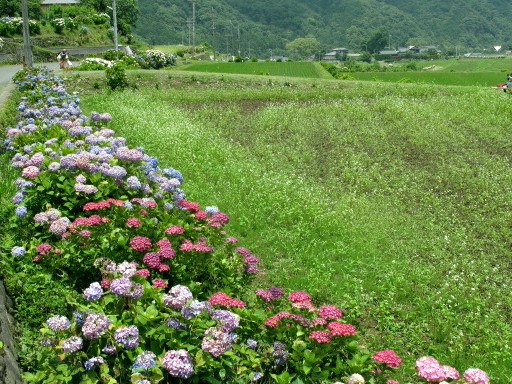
[
  {"x": 469, "y": 64},
  {"x": 288, "y": 69},
  {"x": 484, "y": 79},
  {"x": 393, "y": 202}
]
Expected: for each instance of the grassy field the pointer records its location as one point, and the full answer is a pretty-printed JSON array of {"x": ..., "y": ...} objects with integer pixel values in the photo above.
[
  {"x": 291, "y": 69},
  {"x": 484, "y": 79},
  {"x": 393, "y": 202}
]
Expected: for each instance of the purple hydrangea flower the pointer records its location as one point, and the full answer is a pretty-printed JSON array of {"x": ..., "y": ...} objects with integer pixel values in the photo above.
[
  {"x": 228, "y": 320},
  {"x": 144, "y": 361},
  {"x": 128, "y": 336},
  {"x": 72, "y": 344},
  {"x": 253, "y": 344},
  {"x": 179, "y": 363},
  {"x": 216, "y": 341},
  {"x": 93, "y": 361},
  {"x": 58, "y": 323},
  {"x": 94, "y": 292},
  {"x": 95, "y": 325},
  {"x": 175, "y": 323},
  {"x": 177, "y": 297}
]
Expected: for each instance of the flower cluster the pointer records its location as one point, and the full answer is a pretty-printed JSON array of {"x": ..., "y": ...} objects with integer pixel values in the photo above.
[{"x": 179, "y": 363}]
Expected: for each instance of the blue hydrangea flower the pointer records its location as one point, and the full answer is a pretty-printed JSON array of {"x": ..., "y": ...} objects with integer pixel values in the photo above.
[
  {"x": 20, "y": 211},
  {"x": 18, "y": 251}
]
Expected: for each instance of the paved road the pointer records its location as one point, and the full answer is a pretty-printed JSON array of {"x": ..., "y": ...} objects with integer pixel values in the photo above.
[{"x": 6, "y": 74}]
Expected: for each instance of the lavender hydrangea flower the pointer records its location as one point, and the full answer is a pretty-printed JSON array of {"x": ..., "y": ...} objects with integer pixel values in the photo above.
[
  {"x": 172, "y": 322},
  {"x": 253, "y": 344},
  {"x": 17, "y": 198},
  {"x": 60, "y": 226},
  {"x": 58, "y": 323},
  {"x": 94, "y": 292},
  {"x": 54, "y": 166},
  {"x": 95, "y": 325},
  {"x": 211, "y": 210},
  {"x": 93, "y": 361},
  {"x": 216, "y": 341},
  {"x": 228, "y": 320},
  {"x": 144, "y": 361},
  {"x": 72, "y": 344},
  {"x": 128, "y": 336},
  {"x": 133, "y": 182},
  {"x": 20, "y": 211},
  {"x": 109, "y": 349},
  {"x": 280, "y": 353},
  {"x": 126, "y": 269},
  {"x": 195, "y": 308},
  {"x": 177, "y": 297},
  {"x": 18, "y": 251},
  {"x": 126, "y": 288},
  {"x": 179, "y": 363},
  {"x": 256, "y": 376}
]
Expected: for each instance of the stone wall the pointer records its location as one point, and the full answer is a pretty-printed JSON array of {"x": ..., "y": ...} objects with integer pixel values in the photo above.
[{"x": 9, "y": 371}]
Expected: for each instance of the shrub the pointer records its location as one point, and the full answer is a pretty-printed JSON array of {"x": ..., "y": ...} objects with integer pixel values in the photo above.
[
  {"x": 156, "y": 59},
  {"x": 112, "y": 54},
  {"x": 116, "y": 76}
]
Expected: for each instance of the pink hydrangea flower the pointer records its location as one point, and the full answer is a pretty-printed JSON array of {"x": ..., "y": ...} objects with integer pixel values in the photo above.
[
  {"x": 450, "y": 372},
  {"x": 429, "y": 369},
  {"x": 30, "y": 172},
  {"x": 476, "y": 376},
  {"x": 299, "y": 297},
  {"x": 388, "y": 357},
  {"x": 341, "y": 329},
  {"x": 329, "y": 312},
  {"x": 321, "y": 336},
  {"x": 133, "y": 222},
  {"x": 140, "y": 243},
  {"x": 159, "y": 283},
  {"x": 174, "y": 229}
]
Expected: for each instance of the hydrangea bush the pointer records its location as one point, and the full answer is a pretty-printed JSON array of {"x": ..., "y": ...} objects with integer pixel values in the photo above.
[{"x": 163, "y": 286}]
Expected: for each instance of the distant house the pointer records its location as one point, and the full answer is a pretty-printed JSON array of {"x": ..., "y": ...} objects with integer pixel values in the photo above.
[
  {"x": 278, "y": 58},
  {"x": 49, "y": 3},
  {"x": 389, "y": 52},
  {"x": 335, "y": 54}
]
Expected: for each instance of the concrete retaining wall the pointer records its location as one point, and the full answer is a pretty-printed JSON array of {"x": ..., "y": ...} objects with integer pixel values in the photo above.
[{"x": 9, "y": 371}]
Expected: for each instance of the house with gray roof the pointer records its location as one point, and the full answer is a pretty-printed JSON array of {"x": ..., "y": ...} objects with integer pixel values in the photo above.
[
  {"x": 335, "y": 54},
  {"x": 49, "y": 3}
]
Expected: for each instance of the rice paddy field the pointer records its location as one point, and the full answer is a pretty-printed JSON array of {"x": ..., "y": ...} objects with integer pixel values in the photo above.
[
  {"x": 393, "y": 201},
  {"x": 293, "y": 69}
]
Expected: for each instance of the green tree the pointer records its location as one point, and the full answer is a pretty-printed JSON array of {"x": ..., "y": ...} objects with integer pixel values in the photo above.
[
  {"x": 127, "y": 12},
  {"x": 13, "y": 8},
  {"x": 304, "y": 47},
  {"x": 376, "y": 41}
]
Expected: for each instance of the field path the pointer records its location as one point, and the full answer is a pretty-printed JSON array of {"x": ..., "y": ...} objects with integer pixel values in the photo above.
[{"x": 6, "y": 74}]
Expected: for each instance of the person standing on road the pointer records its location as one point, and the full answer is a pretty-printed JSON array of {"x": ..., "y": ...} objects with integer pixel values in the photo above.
[{"x": 63, "y": 59}]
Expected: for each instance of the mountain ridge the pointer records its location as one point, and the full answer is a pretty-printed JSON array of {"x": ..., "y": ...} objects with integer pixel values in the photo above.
[{"x": 262, "y": 26}]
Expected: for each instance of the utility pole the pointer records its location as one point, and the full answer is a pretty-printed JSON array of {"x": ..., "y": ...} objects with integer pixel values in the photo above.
[
  {"x": 194, "y": 25},
  {"x": 238, "y": 30},
  {"x": 27, "y": 49},
  {"x": 214, "y": 42},
  {"x": 189, "y": 25},
  {"x": 114, "y": 14}
]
